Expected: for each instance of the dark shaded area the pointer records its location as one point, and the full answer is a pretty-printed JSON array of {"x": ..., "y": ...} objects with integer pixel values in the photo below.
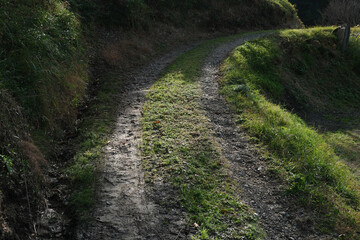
[
  {"x": 310, "y": 10},
  {"x": 208, "y": 14}
]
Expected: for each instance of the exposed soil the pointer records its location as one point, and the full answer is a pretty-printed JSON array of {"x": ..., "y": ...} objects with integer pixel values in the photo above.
[
  {"x": 280, "y": 215},
  {"x": 124, "y": 210}
]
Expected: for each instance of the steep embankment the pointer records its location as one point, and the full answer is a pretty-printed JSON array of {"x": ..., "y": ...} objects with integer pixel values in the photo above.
[
  {"x": 304, "y": 71},
  {"x": 42, "y": 82}
]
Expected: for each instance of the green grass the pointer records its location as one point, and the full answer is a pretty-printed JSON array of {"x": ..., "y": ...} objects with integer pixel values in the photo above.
[
  {"x": 42, "y": 61},
  {"x": 178, "y": 146},
  {"x": 302, "y": 66}
]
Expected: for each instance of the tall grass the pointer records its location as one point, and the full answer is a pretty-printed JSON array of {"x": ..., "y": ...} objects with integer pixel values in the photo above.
[{"x": 42, "y": 60}]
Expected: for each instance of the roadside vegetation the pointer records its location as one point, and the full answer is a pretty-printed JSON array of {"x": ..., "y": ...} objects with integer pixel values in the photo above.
[
  {"x": 289, "y": 90},
  {"x": 179, "y": 146},
  {"x": 42, "y": 82},
  {"x": 310, "y": 11}
]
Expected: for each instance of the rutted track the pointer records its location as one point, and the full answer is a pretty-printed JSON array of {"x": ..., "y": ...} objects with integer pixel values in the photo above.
[
  {"x": 279, "y": 214},
  {"x": 123, "y": 210}
]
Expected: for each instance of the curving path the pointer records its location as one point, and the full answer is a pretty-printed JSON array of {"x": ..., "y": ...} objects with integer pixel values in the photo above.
[{"x": 126, "y": 211}]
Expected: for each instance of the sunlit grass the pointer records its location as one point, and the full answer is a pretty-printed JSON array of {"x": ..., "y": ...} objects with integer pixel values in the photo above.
[
  {"x": 313, "y": 166},
  {"x": 178, "y": 146}
]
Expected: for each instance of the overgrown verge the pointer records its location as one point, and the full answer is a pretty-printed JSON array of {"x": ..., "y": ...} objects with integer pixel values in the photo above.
[
  {"x": 21, "y": 179},
  {"x": 42, "y": 61},
  {"x": 42, "y": 82},
  {"x": 303, "y": 70},
  {"x": 179, "y": 146}
]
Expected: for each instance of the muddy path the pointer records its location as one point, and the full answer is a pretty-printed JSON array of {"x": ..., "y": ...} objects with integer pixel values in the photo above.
[
  {"x": 126, "y": 210},
  {"x": 280, "y": 215}
]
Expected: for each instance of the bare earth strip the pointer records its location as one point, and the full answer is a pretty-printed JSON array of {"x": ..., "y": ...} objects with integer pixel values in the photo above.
[
  {"x": 123, "y": 210},
  {"x": 280, "y": 216}
]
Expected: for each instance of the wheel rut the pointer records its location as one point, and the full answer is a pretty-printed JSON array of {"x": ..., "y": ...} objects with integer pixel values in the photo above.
[
  {"x": 123, "y": 210},
  {"x": 279, "y": 214}
]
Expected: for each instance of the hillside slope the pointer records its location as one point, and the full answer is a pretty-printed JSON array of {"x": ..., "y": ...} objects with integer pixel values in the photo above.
[{"x": 297, "y": 95}]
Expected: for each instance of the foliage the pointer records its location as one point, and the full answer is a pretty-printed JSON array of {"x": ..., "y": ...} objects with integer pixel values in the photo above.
[
  {"x": 135, "y": 14},
  {"x": 41, "y": 60},
  {"x": 265, "y": 72},
  {"x": 309, "y": 10},
  {"x": 20, "y": 174}
]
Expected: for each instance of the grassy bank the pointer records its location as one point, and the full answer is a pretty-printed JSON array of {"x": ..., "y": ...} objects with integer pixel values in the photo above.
[
  {"x": 302, "y": 70},
  {"x": 178, "y": 146},
  {"x": 42, "y": 59}
]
